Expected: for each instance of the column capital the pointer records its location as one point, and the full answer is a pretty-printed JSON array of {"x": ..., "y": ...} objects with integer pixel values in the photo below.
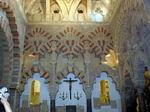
[{"x": 53, "y": 92}]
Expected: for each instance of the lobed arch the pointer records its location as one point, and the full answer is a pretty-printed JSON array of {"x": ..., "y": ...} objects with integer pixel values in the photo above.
[
  {"x": 110, "y": 72},
  {"x": 41, "y": 94},
  {"x": 78, "y": 73},
  {"x": 100, "y": 100},
  {"x": 29, "y": 74},
  {"x": 71, "y": 41},
  {"x": 13, "y": 27},
  {"x": 70, "y": 38},
  {"x": 39, "y": 45},
  {"x": 102, "y": 41},
  {"x": 70, "y": 96}
]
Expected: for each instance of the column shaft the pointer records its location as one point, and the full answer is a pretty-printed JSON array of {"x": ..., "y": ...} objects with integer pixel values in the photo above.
[
  {"x": 48, "y": 10},
  {"x": 89, "y": 105},
  {"x": 53, "y": 109},
  {"x": 141, "y": 101}
]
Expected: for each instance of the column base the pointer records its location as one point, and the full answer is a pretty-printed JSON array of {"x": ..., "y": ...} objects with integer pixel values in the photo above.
[{"x": 89, "y": 105}]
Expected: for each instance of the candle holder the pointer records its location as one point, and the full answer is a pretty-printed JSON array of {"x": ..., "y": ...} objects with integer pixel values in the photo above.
[
  {"x": 77, "y": 96},
  {"x": 63, "y": 96}
]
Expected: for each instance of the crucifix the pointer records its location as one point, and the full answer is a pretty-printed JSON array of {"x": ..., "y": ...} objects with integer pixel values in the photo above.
[{"x": 70, "y": 81}]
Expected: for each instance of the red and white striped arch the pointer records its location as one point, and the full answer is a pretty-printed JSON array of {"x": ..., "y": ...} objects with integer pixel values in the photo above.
[
  {"x": 27, "y": 75},
  {"x": 101, "y": 41},
  {"x": 12, "y": 38},
  {"x": 70, "y": 45},
  {"x": 78, "y": 73},
  {"x": 38, "y": 41}
]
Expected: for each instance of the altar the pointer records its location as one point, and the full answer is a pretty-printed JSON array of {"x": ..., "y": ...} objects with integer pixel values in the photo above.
[
  {"x": 70, "y": 96},
  {"x": 70, "y": 108}
]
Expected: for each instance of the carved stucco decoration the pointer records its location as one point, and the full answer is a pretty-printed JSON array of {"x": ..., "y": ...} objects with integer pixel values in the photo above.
[
  {"x": 70, "y": 41},
  {"x": 34, "y": 10},
  {"x": 102, "y": 41},
  {"x": 69, "y": 10},
  {"x": 68, "y": 50},
  {"x": 29, "y": 74},
  {"x": 37, "y": 41}
]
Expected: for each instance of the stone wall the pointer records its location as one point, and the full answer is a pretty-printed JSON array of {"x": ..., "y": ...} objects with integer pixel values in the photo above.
[
  {"x": 67, "y": 47},
  {"x": 130, "y": 29}
]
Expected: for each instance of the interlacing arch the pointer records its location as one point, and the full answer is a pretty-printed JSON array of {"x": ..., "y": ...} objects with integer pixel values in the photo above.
[
  {"x": 80, "y": 74},
  {"x": 29, "y": 74},
  {"x": 38, "y": 41},
  {"x": 10, "y": 29},
  {"x": 101, "y": 40},
  {"x": 112, "y": 73},
  {"x": 70, "y": 41}
]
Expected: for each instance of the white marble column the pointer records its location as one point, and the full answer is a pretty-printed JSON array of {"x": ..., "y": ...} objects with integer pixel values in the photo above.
[
  {"x": 53, "y": 63},
  {"x": 89, "y": 100},
  {"x": 70, "y": 62},
  {"x": 87, "y": 62}
]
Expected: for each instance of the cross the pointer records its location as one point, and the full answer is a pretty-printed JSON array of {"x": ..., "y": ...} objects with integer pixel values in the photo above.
[{"x": 70, "y": 81}]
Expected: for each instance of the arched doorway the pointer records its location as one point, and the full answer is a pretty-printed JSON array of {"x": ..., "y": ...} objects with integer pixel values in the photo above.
[
  {"x": 70, "y": 96},
  {"x": 105, "y": 97},
  {"x": 35, "y": 97}
]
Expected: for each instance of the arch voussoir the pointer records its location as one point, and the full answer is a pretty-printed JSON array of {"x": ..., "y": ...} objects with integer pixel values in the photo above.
[{"x": 12, "y": 26}]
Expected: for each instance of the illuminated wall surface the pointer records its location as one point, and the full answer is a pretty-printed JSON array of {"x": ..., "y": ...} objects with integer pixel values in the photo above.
[
  {"x": 36, "y": 91},
  {"x": 105, "y": 97},
  {"x": 70, "y": 10},
  {"x": 76, "y": 89}
]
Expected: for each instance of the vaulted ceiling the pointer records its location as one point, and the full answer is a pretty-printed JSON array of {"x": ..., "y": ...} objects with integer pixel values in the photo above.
[{"x": 69, "y": 10}]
